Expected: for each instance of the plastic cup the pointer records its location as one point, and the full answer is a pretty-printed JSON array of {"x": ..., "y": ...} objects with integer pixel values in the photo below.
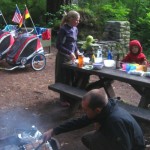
[
  {"x": 132, "y": 67},
  {"x": 144, "y": 68},
  {"x": 124, "y": 66},
  {"x": 139, "y": 68},
  {"x": 128, "y": 67},
  {"x": 80, "y": 61}
]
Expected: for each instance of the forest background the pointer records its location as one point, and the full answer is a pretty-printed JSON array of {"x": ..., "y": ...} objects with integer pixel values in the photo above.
[{"x": 94, "y": 14}]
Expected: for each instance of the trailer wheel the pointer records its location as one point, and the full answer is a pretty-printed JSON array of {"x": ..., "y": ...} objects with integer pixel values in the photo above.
[{"x": 38, "y": 62}]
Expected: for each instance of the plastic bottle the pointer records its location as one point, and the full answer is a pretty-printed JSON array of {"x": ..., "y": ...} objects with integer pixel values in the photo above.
[
  {"x": 109, "y": 56},
  {"x": 99, "y": 54},
  {"x": 93, "y": 58}
]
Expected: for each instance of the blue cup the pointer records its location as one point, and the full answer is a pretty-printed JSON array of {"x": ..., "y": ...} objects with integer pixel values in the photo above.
[{"x": 128, "y": 67}]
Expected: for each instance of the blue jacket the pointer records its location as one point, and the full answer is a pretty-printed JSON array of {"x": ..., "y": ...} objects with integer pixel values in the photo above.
[
  {"x": 117, "y": 125},
  {"x": 67, "y": 39}
]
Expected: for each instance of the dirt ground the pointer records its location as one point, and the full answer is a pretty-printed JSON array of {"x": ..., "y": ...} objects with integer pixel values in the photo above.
[{"x": 26, "y": 101}]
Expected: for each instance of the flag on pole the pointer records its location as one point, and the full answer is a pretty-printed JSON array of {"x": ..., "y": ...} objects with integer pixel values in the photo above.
[
  {"x": 17, "y": 16},
  {"x": 26, "y": 15},
  {"x": 1, "y": 14}
]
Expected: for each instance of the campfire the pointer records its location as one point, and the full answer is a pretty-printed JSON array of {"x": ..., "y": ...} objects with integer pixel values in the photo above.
[{"x": 28, "y": 140}]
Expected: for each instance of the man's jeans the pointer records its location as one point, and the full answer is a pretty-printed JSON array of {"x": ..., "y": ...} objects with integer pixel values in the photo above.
[{"x": 94, "y": 140}]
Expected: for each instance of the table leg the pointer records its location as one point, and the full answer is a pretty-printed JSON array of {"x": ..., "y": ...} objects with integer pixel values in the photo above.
[
  {"x": 105, "y": 83},
  {"x": 95, "y": 85},
  {"x": 109, "y": 90},
  {"x": 145, "y": 98},
  {"x": 138, "y": 88},
  {"x": 81, "y": 80},
  {"x": 145, "y": 95}
]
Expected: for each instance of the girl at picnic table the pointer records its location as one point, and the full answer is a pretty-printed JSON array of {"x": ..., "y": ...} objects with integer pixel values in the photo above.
[
  {"x": 135, "y": 54},
  {"x": 67, "y": 48}
]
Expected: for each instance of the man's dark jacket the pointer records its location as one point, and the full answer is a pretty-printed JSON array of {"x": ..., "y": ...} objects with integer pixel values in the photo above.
[{"x": 117, "y": 125}]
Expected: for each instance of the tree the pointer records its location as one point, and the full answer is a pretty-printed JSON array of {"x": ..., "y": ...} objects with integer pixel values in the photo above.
[{"x": 54, "y": 5}]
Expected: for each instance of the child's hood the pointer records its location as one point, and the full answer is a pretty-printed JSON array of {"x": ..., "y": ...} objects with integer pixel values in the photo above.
[{"x": 135, "y": 43}]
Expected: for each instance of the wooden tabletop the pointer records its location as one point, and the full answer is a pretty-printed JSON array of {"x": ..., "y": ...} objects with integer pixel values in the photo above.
[{"x": 114, "y": 74}]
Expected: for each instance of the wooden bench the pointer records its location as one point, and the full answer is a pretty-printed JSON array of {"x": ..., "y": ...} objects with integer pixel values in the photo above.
[{"x": 76, "y": 95}]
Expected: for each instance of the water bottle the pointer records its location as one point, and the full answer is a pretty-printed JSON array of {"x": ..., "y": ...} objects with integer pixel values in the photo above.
[
  {"x": 109, "y": 56},
  {"x": 99, "y": 54}
]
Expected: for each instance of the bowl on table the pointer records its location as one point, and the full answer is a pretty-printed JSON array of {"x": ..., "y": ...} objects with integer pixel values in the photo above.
[
  {"x": 109, "y": 63},
  {"x": 97, "y": 66},
  {"x": 86, "y": 60}
]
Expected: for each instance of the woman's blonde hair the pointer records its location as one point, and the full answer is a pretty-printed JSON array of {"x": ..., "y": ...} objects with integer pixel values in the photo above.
[{"x": 68, "y": 16}]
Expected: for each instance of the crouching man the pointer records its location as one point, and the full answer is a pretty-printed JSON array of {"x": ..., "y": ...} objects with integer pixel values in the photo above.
[{"x": 117, "y": 130}]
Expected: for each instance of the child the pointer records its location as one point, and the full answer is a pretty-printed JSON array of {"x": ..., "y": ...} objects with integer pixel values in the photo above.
[
  {"x": 135, "y": 54},
  {"x": 67, "y": 48},
  {"x": 66, "y": 45}
]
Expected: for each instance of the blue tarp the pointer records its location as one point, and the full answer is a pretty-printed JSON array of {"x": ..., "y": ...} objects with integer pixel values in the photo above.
[{"x": 40, "y": 30}]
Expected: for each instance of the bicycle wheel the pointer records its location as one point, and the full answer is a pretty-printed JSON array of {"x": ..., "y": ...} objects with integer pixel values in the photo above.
[{"x": 38, "y": 62}]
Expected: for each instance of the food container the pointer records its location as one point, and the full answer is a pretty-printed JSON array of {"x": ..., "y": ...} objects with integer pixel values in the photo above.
[
  {"x": 109, "y": 63},
  {"x": 97, "y": 66},
  {"x": 98, "y": 60},
  {"x": 86, "y": 60}
]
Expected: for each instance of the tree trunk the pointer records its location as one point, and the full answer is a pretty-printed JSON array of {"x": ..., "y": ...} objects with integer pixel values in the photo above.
[{"x": 54, "y": 5}]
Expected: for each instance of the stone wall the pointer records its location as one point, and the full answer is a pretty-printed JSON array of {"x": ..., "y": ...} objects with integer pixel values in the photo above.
[{"x": 116, "y": 37}]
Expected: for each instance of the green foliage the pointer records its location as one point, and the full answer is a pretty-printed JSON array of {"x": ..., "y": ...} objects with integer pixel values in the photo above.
[
  {"x": 94, "y": 14},
  {"x": 7, "y": 7},
  {"x": 117, "y": 11},
  {"x": 36, "y": 10},
  {"x": 143, "y": 27},
  {"x": 54, "y": 20},
  {"x": 114, "y": 11}
]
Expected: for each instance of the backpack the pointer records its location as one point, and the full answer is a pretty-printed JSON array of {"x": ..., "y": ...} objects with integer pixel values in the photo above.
[{"x": 46, "y": 35}]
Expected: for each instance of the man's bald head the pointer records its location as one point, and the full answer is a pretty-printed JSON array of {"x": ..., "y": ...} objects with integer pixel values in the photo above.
[{"x": 96, "y": 99}]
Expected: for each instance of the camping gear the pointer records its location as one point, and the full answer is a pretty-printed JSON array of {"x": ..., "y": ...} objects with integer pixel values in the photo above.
[
  {"x": 6, "y": 41},
  {"x": 12, "y": 29},
  {"x": 27, "y": 49}
]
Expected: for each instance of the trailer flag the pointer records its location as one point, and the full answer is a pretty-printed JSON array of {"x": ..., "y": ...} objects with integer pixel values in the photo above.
[
  {"x": 17, "y": 16},
  {"x": 26, "y": 15}
]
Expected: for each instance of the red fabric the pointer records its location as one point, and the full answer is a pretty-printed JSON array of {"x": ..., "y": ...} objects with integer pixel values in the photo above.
[
  {"x": 46, "y": 35},
  {"x": 135, "y": 58}
]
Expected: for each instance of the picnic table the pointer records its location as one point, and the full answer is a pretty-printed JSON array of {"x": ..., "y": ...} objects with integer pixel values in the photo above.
[
  {"x": 140, "y": 84},
  {"x": 106, "y": 77}
]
